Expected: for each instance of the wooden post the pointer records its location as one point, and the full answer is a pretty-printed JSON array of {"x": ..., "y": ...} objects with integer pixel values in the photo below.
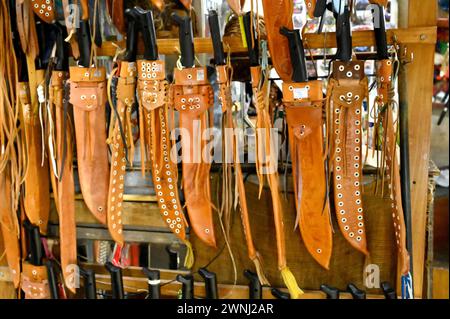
[{"x": 419, "y": 13}]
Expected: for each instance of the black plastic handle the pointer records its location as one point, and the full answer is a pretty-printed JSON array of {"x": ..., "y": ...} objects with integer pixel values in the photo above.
[
  {"x": 356, "y": 292},
  {"x": 297, "y": 52},
  {"x": 331, "y": 292},
  {"x": 388, "y": 291},
  {"x": 254, "y": 285},
  {"x": 35, "y": 248},
  {"x": 84, "y": 43},
  {"x": 116, "y": 281},
  {"x": 343, "y": 35},
  {"x": 186, "y": 39},
  {"x": 147, "y": 27},
  {"x": 252, "y": 42},
  {"x": 280, "y": 294},
  {"x": 132, "y": 16},
  {"x": 90, "y": 286},
  {"x": 321, "y": 7},
  {"x": 187, "y": 289},
  {"x": 210, "y": 279},
  {"x": 154, "y": 285},
  {"x": 219, "y": 54},
  {"x": 380, "y": 31},
  {"x": 62, "y": 49},
  {"x": 52, "y": 279},
  {"x": 174, "y": 257}
]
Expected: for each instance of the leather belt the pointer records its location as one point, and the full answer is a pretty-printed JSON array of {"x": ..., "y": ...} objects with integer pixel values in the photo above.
[
  {"x": 390, "y": 162},
  {"x": 346, "y": 92},
  {"x": 88, "y": 97},
  {"x": 65, "y": 185},
  {"x": 304, "y": 104},
  {"x": 192, "y": 95}
]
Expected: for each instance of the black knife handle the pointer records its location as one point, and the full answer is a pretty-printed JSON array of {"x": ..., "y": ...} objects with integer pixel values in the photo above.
[
  {"x": 380, "y": 31},
  {"x": 116, "y": 281},
  {"x": 297, "y": 53},
  {"x": 84, "y": 43},
  {"x": 388, "y": 291},
  {"x": 62, "y": 49},
  {"x": 132, "y": 17},
  {"x": 331, "y": 292},
  {"x": 356, "y": 292},
  {"x": 187, "y": 289},
  {"x": 278, "y": 294},
  {"x": 252, "y": 42},
  {"x": 36, "y": 250},
  {"x": 90, "y": 286},
  {"x": 343, "y": 36},
  {"x": 321, "y": 7},
  {"x": 147, "y": 27},
  {"x": 219, "y": 54},
  {"x": 186, "y": 40},
  {"x": 154, "y": 285},
  {"x": 52, "y": 279},
  {"x": 210, "y": 279},
  {"x": 174, "y": 257},
  {"x": 254, "y": 285}
]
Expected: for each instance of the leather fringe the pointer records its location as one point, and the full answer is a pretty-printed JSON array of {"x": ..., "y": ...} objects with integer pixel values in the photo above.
[
  {"x": 189, "y": 259},
  {"x": 291, "y": 283},
  {"x": 260, "y": 270}
]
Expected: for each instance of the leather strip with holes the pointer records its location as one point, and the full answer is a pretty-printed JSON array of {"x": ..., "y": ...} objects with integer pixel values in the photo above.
[
  {"x": 44, "y": 9},
  {"x": 34, "y": 281}
]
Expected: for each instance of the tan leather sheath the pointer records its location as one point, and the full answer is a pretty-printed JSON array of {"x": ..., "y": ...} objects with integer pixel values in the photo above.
[
  {"x": 88, "y": 97},
  {"x": 384, "y": 70},
  {"x": 126, "y": 88},
  {"x": 280, "y": 16},
  {"x": 34, "y": 281},
  {"x": 9, "y": 227},
  {"x": 346, "y": 92},
  {"x": 304, "y": 104},
  {"x": 65, "y": 184},
  {"x": 192, "y": 96},
  {"x": 153, "y": 93},
  {"x": 36, "y": 185},
  {"x": 44, "y": 9}
]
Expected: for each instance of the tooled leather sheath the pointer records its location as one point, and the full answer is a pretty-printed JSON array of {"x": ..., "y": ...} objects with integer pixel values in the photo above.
[
  {"x": 391, "y": 162},
  {"x": 37, "y": 185},
  {"x": 9, "y": 227},
  {"x": 126, "y": 88},
  {"x": 88, "y": 97},
  {"x": 346, "y": 92},
  {"x": 192, "y": 96},
  {"x": 304, "y": 105},
  {"x": 280, "y": 16},
  {"x": 34, "y": 281},
  {"x": 65, "y": 184},
  {"x": 44, "y": 9},
  {"x": 156, "y": 144}
]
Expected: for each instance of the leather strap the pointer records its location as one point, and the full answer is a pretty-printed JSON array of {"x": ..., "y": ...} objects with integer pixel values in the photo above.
[
  {"x": 9, "y": 227},
  {"x": 65, "y": 185},
  {"x": 36, "y": 185},
  {"x": 346, "y": 93},
  {"x": 280, "y": 16},
  {"x": 88, "y": 97},
  {"x": 117, "y": 15},
  {"x": 34, "y": 281},
  {"x": 304, "y": 106},
  {"x": 390, "y": 167},
  {"x": 126, "y": 89},
  {"x": 156, "y": 144},
  {"x": 44, "y": 9},
  {"x": 192, "y": 96}
]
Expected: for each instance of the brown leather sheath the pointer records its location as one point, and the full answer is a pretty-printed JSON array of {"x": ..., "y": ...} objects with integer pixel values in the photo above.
[
  {"x": 391, "y": 162},
  {"x": 153, "y": 93},
  {"x": 304, "y": 105},
  {"x": 280, "y": 16},
  {"x": 88, "y": 97},
  {"x": 34, "y": 281},
  {"x": 65, "y": 184},
  {"x": 117, "y": 15},
  {"x": 44, "y": 9},
  {"x": 36, "y": 185},
  {"x": 126, "y": 88},
  {"x": 346, "y": 92},
  {"x": 192, "y": 96},
  {"x": 9, "y": 227}
]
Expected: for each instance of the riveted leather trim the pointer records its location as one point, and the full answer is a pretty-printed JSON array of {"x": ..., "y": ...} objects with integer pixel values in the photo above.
[
  {"x": 90, "y": 131},
  {"x": 34, "y": 281},
  {"x": 44, "y": 9},
  {"x": 304, "y": 105}
]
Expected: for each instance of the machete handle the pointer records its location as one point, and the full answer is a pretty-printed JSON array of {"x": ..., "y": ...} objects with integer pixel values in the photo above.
[
  {"x": 36, "y": 250},
  {"x": 210, "y": 279},
  {"x": 331, "y": 292},
  {"x": 154, "y": 284},
  {"x": 147, "y": 27},
  {"x": 320, "y": 8},
  {"x": 186, "y": 39},
  {"x": 131, "y": 16},
  {"x": 379, "y": 28},
  {"x": 214, "y": 28},
  {"x": 251, "y": 39},
  {"x": 356, "y": 292},
  {"x": 388, "y": 291},
  {"x": 297, "y": 53},
  {"x": 254, "y": 285},
  {"x": 278, "y": 294},
  {"x": 187, "y": 289},
  {"x": 52, "y": 279},
  {"x": 90, "y": 286},
  {"x": 116, "y": 281}
]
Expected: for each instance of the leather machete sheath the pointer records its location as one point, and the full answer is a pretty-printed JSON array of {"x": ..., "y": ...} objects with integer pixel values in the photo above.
[
  {"x": 88, "y": 97},
  {"x": 192, "y": 96},
  {"x": 156, "y": 144},
  {"x": 34, "y": 281},
  {"x": 346, "y": 92},
  {"x": 304, "y": 105}
]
